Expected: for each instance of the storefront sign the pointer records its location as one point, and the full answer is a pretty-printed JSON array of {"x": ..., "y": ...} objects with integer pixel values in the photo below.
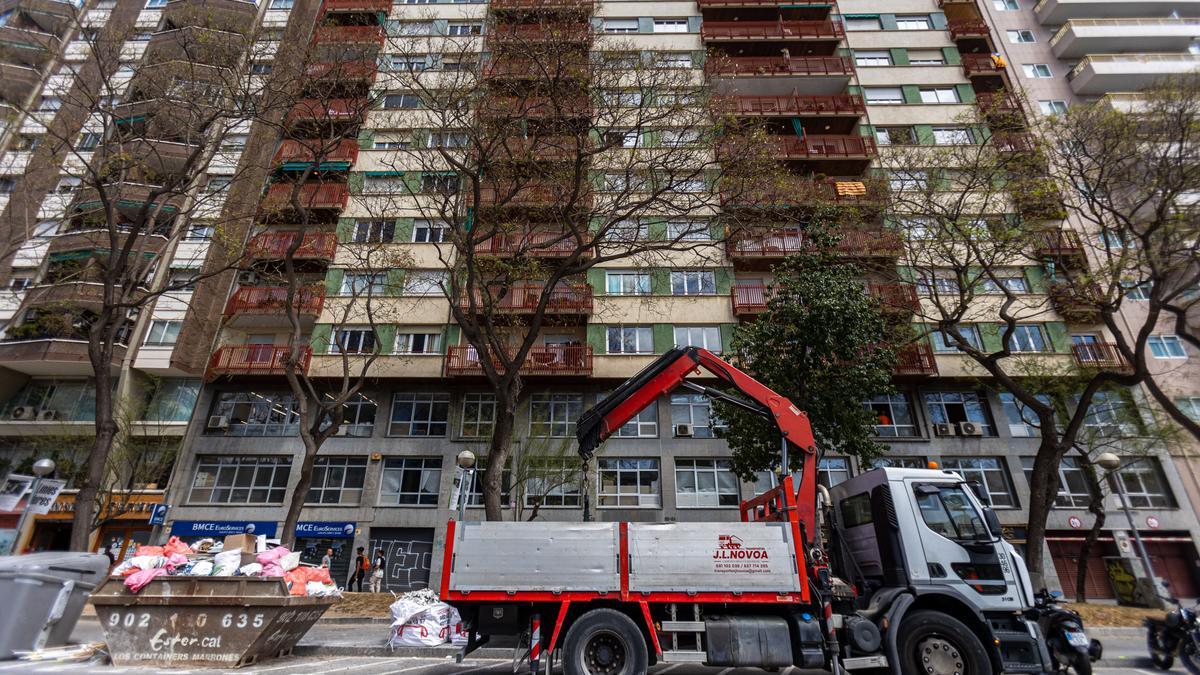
[
  {"x": 12, "y": 489},
  {"x": 158, "y": 514},
  {"x": 222, "y": 528},
  {"x": 42, "y": 498},
  {"x": 325, "y": 529}
]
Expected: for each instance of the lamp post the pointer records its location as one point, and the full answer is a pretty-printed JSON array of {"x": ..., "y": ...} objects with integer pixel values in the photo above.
[
  {"x": 1110, "y": 463},
  {"x": 466, "y": 480},
  {"x": 41, "y": 468}
]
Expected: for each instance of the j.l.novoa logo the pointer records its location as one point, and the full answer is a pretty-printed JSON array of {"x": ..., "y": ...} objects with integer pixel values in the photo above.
[{"x": 733, "y": 555}]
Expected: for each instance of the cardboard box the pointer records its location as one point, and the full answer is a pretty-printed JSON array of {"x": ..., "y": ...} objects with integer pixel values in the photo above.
[
  {"x": 248, "y": 558},
  {"x": 245, "y": 542}
]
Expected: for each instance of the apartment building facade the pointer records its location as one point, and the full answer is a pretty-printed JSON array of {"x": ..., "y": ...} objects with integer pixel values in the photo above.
[{"x": 831, "y": 84}]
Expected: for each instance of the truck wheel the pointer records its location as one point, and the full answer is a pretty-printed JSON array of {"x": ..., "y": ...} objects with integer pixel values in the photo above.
[
  {"x": 932, "y": 643},
  {"x": 604, "y": 642}
]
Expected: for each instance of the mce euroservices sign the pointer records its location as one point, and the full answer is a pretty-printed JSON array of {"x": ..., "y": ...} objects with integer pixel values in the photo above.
[{"x": 222, "y": 528}]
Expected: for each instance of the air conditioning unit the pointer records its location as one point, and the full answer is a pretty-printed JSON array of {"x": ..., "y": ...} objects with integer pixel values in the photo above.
[
  {"x": 248, "y": 278},
  {"x": 343, "y": 430},
  {"x": 218, "y": 422},
  {"x": 23, "y": 412},
  {"x": 969, "y": 429},
  {"x": 945, "y": 429},
  {"x": 683, "y": 431},
  {"x": 47, "y": 415}
]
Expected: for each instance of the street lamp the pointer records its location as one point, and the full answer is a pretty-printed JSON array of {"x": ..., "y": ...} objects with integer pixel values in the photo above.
[
  {"x": 1110, "y": 463},
  {"x": 41, "y": 468},
  {"x": 466, "y": 480}
]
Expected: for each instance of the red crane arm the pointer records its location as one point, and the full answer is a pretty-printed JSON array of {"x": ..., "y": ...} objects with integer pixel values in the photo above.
[{"x": 668, "y": 372}]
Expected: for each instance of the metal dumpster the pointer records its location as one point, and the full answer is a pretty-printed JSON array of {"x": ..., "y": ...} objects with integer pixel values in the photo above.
[
  {"x": 204, "y": 621},
  {"x": 44, "y": 594}
]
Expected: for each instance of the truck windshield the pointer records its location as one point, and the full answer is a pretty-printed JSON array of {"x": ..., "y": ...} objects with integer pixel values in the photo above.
[{"x": 948, "y": 511}]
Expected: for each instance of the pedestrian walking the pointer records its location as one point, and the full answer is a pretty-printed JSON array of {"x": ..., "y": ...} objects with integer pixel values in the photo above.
[
  {"x": 361, "y": 565},
  {"x": 327, "y": 559},
  {"x": 377, "y": 572}
]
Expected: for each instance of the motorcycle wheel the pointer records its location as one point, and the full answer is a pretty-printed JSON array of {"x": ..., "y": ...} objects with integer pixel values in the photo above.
[
  {"x": 1160, "y": 656},
  {"x": 1189, "y": 654},
  {"x": 1081, "y": 664}
]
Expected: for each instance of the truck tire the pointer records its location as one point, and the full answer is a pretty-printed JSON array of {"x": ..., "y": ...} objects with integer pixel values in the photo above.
[
  {"x": 604, "y": 642},
  {"x": 932, "y": 643}
]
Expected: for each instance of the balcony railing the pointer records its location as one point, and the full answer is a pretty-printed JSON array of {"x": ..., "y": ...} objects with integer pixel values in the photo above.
[
  {"x": 1099, "y": 355},
  {"x": 717, "y": 4},
  {"x": 1001, "y": 102},
  {"x": 273, "y": 300},
  {"x": 1059, "y": 243},
  {"x": 531, "y": 244},
  {"x": 762, "y": 66},
  {"x": 981, "y": 64},
  {"x": 916, "y": 359},
  {"x": 772, "y": 30},
  {"x": 796, "y": 192},
  {"x": 541, "y": 5},
  {"x": 274, "y": 245},
  {"x": 895, "y": 296},
  {"x": 255, "y": 360},
  {"x": 776, "y": 244},
  {"x": 792, "y": 105},
  {"x": 1074, "y": 306},
  {"x": 750, "y": 299},
  {"x": 333, "y": 110},
  {"x": 541, "y": 33},
  {"x": 306, "y": 152},
  {"x": 524, "y": 299},
  {"x": 356, "y": 6},
  {"x": 878, "y": 243},
  {"x": 541, "y": 360},
  {"x": 335, "y": 35},
  {"x": 824, "y": 146},
  {"x": 342, "y": 70},
  {"x": 314, "y": 196},
  {"x": 566, "y": 66},
  {"x": 962, "y": 28}
]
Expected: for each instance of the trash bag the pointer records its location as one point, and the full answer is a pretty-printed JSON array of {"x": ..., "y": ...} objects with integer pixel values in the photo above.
[
  {"x": 226, "y": 563},
  {"x": 290, "y": 561},
  {"x": 297, "y": 581},
  {"x": 138, "y": 580},
  {"x": 419, "y": 619},
  {"x": 175, "y": 545}
]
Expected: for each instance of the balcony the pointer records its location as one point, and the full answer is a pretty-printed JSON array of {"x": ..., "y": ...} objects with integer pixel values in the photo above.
[
  {"x": 1057, "y": 12},
  {"x": 193, "y": 45},
  {"x": 775, "y": 244},
  {"x": 795, "y": 192},
  {"x": 85, "y": 292},
  {"x": 541, "y": 360},
  {"x": 30, "y": 47},
  {"x": 52, "y": 16},
  {"x": 998, "y": 105},
  {"x": 830, "y": 146},
  {"x": 160, "y": 157},
  {"x": 130, "y": 198},
  {"x": 748, "y": 4},
  {"x": 341, "y": 110},
  {"x": 1099, "y": 356},
  {"x": 779, "y": 66},
  {"x": 797, "y": 105},
  {"x": 515, "y": 67},
  {"x": 895, "y": 297},
  {"x": 1059, "y": 244},
  {"x": 274, "y": 246},
  {"x": 17, "y": 82},
  {"x": 1101, "y": 73},
  {"x": 730, "y": 31},
  {"x": 52, "y": 356},
  {"x": 751, "y": 299},
  {"x": 541, "y": 5},
  {"x": 1015, "y": 142},
  {"x": 542, "y": 148},
  {"x": 350, "y": 35},
  {"x": 967, "y": 28},
  {"x": 563, "y": 300},
  {"x": 540, "y": 33},
  {"x": 355, "y": 6},
  {"x": 343, "y": 71},
  {"x": 870, "y": 244},
  {"x": 312, "y": 196},
  {"x": 981, "y": 64},
  {"x": 298, "y": 155},
  {"x": 562, "y": 107},
  {"x": 255, "y": 360},
  {"x": 161, "y": 118},
  {"x": 1079, "y": 37},
  {"x": 264, "y": 306},
  {"x": 98, "y": 239},
  {"x": 532, "y": 245},
  {"x": 916, "y": 360},
  {"x": 235, "y": 16},
  {"x": 1074, "y": 306}
]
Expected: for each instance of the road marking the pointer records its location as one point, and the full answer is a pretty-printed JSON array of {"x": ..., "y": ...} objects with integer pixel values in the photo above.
[
  {"x": 671, "y": 667},
  {"x": 293, "y": 665},
  {"x": 724, "y": 671}
]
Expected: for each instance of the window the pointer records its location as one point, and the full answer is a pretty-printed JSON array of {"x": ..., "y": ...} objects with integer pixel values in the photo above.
[
  {"x": 622, "y": 138},
  {"x": 628, "y": 483},
  {"x": 1108, "y": 415},
  {"x": 172, "y": 400},
  {"x": 707, "y": 337},
  {"x": 1027, "y": 338},
  {"x": 234, "y": 142},
  {"x": 688, "y": 230},
  {"x": 872, "y": 58},
  {"x": 989, "y": 472},
  {"x": 630, "y": 340},
  {"x": 384, "y": 185},
  {"x": 353, "y": 341},
  {"x": 410, "y": 481},
  {"x": 895, "y": 136},
  {"x": 1073, "y": 489},
  {"x": 674, "y": 59},
  {"x": 478, "y": 415},
  {"x": 951, "y": 136},
  {"x": 863, "y": 23},
  {"x": 419, "y": 414},
  {"x": 154, "y": 4},
  {"x": 952, "y": 407},
  {"x": 883, "y": 95},
  {"x": 218, "y": 184},
  {"x": 1145, "y": 486},
  {"x": 424, "y": 282},
  {"x": 939, "y": 95},
  {"x": 553, "y": 482},
  {"x": 926, "y": 57},
  {"x": 88, "y": 141},
  {"x": 410, "y": 64},
  {"x": 1166, "y": 347},
  {"x": 364, "y": 283},
  {"x": 1022, "y": 423},
  {"x": 1052, "y": 107},
  {"x": 67, "y": 184},
  {"x": 554, "y": 415},
  {"x": 628, "y": 231},
  {"x": 643, "y": 425},
  {"x": 912, "y": 23},
  {"x": 257, "y": 413},
  {"x": 693, "y": 282},
  {"x": 833, "y": 470},
  {"x": 337, "y": 480},
  {"x": 893, "y": 416},
  {"x": 20, "y": 283},
  {"x": 947, "y": 511},
  {"x": 899, "y": 463},
  {"x": 7, "y": 184},
  {"x": 261, "y": 68},
  {"x": 1018, "y": 37},
  {"x": 620, "y": 25},
  {"x": 1013, "y": 284},
  {"x": 182, "y": 279},
  {"x": 392, "y": 144},
  {"x": 1136, "y": 291},
  {"x": 240, "y": 479},
  {"x": 915, "y": 180},
  {"x": 677, "y": 138},
  {"x": 163, "y": 332},
  {"x": 463, "y": 29},
  {"x": 358, "y": 416},
  {"x": 401, "y": 101},
  {"x": 627, "y": 283},
  {"x": 670, "y": 26},
  {"x": 705, "y": 483},
  {"x": 1006, "y": 5},
  {"x": 430, "y": 231},
  {"x": 447, "y": 139},
  {"x": 938, "y": 286},
  {"x": 631, "y": 98},
  {"x": 418, "y": 343},
  {"x": 694, "y": 410},
  {"x": 945, "y": 344},
  {"x": 1037, "y": 70},
  {"x": 439, "y": 183},
  {"x": 374, "y": 231},
  {"x": 280, "y": 4},
  {"x": 410, "y": 28},
  {"x": 1190, "y": 406}
]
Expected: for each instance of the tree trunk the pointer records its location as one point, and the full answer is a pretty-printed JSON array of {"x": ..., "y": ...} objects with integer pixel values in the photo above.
[
  {"x": 1096, "y": 507},
  {"x": 499, "y": 449},
  {"x": 1043, "y": 488},
  {"x": 97, "y": 462},
  {"x": 300, "y": 491}
]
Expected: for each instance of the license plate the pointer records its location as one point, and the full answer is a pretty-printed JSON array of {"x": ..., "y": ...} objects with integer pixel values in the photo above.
[{"x": 1078, "y": 639}]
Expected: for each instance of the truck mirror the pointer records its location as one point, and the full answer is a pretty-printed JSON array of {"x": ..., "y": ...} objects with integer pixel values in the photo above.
[{"x": 980, "y": 494}]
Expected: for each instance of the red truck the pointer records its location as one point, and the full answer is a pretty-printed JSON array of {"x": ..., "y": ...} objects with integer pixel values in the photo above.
[{"x": 895, "y": 570}]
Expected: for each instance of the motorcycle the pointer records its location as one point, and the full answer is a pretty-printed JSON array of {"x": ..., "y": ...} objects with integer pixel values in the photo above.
[
  {"x": 1066, "y": 640},
  {"x": 1178, "y": 633}
]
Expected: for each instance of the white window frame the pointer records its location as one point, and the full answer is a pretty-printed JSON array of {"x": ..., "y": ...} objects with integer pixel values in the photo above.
[
  {"x": 562, "y": 414},
  {"x": 706, "y": 337},
  {"x": 424, "y": 420},
  {"x": 1028, "y": 338},
  {"x": 418, "y": 343},
  {"x": 713, "y": 483},
  {"x": 693, "y": 282},
  {"x": 1021, "y": 36},
  {"x": 629, "y": 340},
  {"x": 424, "y": 282},
  {"x": 939, "y": 96},
  {"x": 353, "y": 340},
  {"x": 872, "y": 58},
  {"x": 629, "y": 282},
  {"x": 620, "y": 25},
  {"x": 672, "y": 25},
  {"x": 163, "y": 332},
  {"x": 913, "y": 22},
  {"x": 1166, "y": 346},
  {"x": 1037, "y": 71},
  {"x": 620, "y": 498},
  {"x": 980, "y": 469}
]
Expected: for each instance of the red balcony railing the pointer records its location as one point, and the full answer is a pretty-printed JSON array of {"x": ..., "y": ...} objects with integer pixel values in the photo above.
[
  {"x": 342, "y": 70},
  {"x": 255, "y": 360},
  {"x": 980, "y": 64},
  {"x": 1059, "y": 243},
  {"x": 749, "y": 299},
  {"x": 761, "y": 66},
  {"x": 336, "y": 35},
  {"x": 824, "y": 146},
  {"x": 523, "y": 68},
  {"x": 1000, "y": 102},
  {"x": 332, "y": 110},
  {"x": 771, "y": 30},
  {"x": 541, "y": 360},
  {"x": 961, "y": 28},
  {"x": 879, "y": 243},
  {"x": 716, "y": 4},
  {"x": 1100, "y": 355},
  {"x": 541, "y": 5},
  {"x": 797, "y": 191},
  {"x": 274, "y": 245},
  {"x": 1016, "y": 142},
  {"x": 524, "y": 299},
  {"x": 530, "y": 244},
  {"x": 1076, "y": 305},
  {"x": 540, "y": 33},
  {"x": 895, "y": 296},
  {"x": 314, "y": 196},
  {"x": 273, "y": 300},
  {"x": 916, "y": 359},
  {"x": 356, "y": 6},
  {"x": 774, "y": 244},
  {"x": 791, "y": 105},
  {"x": 307, "y": 152}
]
